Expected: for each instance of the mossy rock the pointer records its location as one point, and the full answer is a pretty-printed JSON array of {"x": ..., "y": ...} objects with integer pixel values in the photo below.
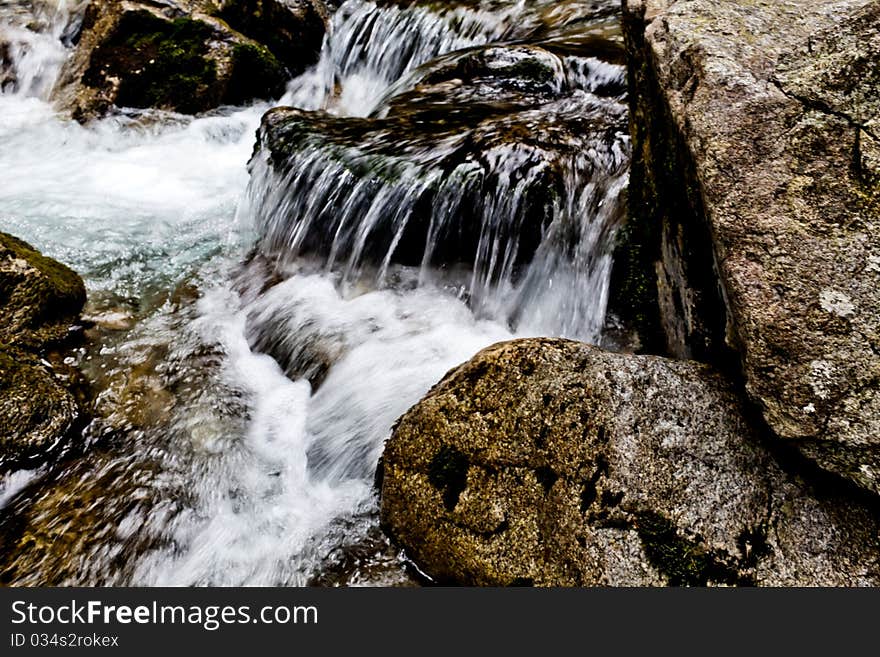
[
  {"x": 292, "y": 30},
  {"x": 39, "y": 297},
  {"x": 402, "y": 156},
  {"x": 254, "y": 71},
  {"x": 37, "y": 413},
  {"x": 159, "y": 63},
  {"x": 132, "y": 55}
]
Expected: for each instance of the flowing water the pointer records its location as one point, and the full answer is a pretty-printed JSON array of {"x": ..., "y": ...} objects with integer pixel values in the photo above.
[{"x": 257, "y": 329}]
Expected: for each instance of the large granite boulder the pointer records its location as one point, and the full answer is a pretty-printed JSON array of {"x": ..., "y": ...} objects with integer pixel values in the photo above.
[
  {"x": 550, "y": 462},
  {"x": 755, "y": 197},
  {"x": 187, "y": 56},
  {"x": 40, "y": 301}
]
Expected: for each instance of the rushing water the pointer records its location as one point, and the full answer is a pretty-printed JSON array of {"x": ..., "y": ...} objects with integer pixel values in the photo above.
[{"x": 243, "y": 396}]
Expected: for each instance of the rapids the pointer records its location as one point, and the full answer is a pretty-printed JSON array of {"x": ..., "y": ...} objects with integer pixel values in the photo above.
[{"x": 245, "y": 374}]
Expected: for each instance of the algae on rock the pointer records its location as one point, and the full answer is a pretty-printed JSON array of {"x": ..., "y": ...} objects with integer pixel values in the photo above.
[{"x": 183, "y": 58}]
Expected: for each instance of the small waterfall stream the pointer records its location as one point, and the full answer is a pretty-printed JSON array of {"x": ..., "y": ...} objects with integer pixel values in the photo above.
[{"x": 447, "y": 176}]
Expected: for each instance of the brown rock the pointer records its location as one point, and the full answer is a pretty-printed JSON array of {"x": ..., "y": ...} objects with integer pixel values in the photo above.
[
  {"x": 39, "y": 297},
  {"x": 550, "y": 462},
  {"x": 37, "y": 412}
]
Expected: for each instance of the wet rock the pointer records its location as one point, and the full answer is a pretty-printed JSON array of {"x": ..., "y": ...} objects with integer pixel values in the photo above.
[
  {"x": 523, "y": 68},
  {"x": 7, "y": 71},
  {"x": 85, "y": 524},
  {"x": 551, "y": 462},
  {"x": 37, "y": 412},
  {"x": 183, "y": 56},
  {"x": 292, "y": 30},
  {"x": 40, "y": 298},
  {"x": 756, "y": 205},
  {"x": 507, "y": 77}
]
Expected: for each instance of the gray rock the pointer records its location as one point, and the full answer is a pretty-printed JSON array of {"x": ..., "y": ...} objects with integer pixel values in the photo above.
[
  {"x": 756, "y": 129},
  {"x": 550, "y": 462}
]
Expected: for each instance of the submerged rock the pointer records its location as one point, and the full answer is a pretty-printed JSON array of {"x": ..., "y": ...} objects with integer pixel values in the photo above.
[
  {"x": 550, "y": 462},
  {"x": 756, "y": 205},
  {"x": 8, "y": 78},
  {"x": 184, "y": 56}
]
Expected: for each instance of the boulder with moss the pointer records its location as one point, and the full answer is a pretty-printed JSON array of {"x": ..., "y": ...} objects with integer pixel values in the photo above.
[
  {"x": 40, "y": 298},
  {"x": 38, "y": 413},
  {"x": 755, "y": 206},
  {"x": 181, "y": 56},
  {"x": 550, "y": 462},
  {"x": 40, "y": 301}
]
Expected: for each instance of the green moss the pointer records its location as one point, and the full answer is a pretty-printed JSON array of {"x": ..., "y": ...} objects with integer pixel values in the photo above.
[
  {"x": 160, "y": 63},
  {"x": 293, "y": 34},
  {"x": 34, "y": 290},
  {"x": 683, "y": 562},
  {"x": 255, "y": 72},
  {"x": 11, "y": 371}
]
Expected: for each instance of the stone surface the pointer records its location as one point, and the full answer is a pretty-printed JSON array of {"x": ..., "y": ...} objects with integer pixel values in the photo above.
[
  {"x": 293, "y": 30},
  {"x": 756, "y": 147},
  {"x": 550, "y": 462},
  {"x": 37, "y": 412},
  {"x": 184, "y": 55},
  {"x": 40, "y": 298}
]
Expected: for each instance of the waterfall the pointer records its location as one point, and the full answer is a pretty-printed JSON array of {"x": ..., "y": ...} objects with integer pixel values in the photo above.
[
  {"x": 31, "y": 59},
  {"x": 528, "y": 221},
  {"x": 370, "y": 45}
]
